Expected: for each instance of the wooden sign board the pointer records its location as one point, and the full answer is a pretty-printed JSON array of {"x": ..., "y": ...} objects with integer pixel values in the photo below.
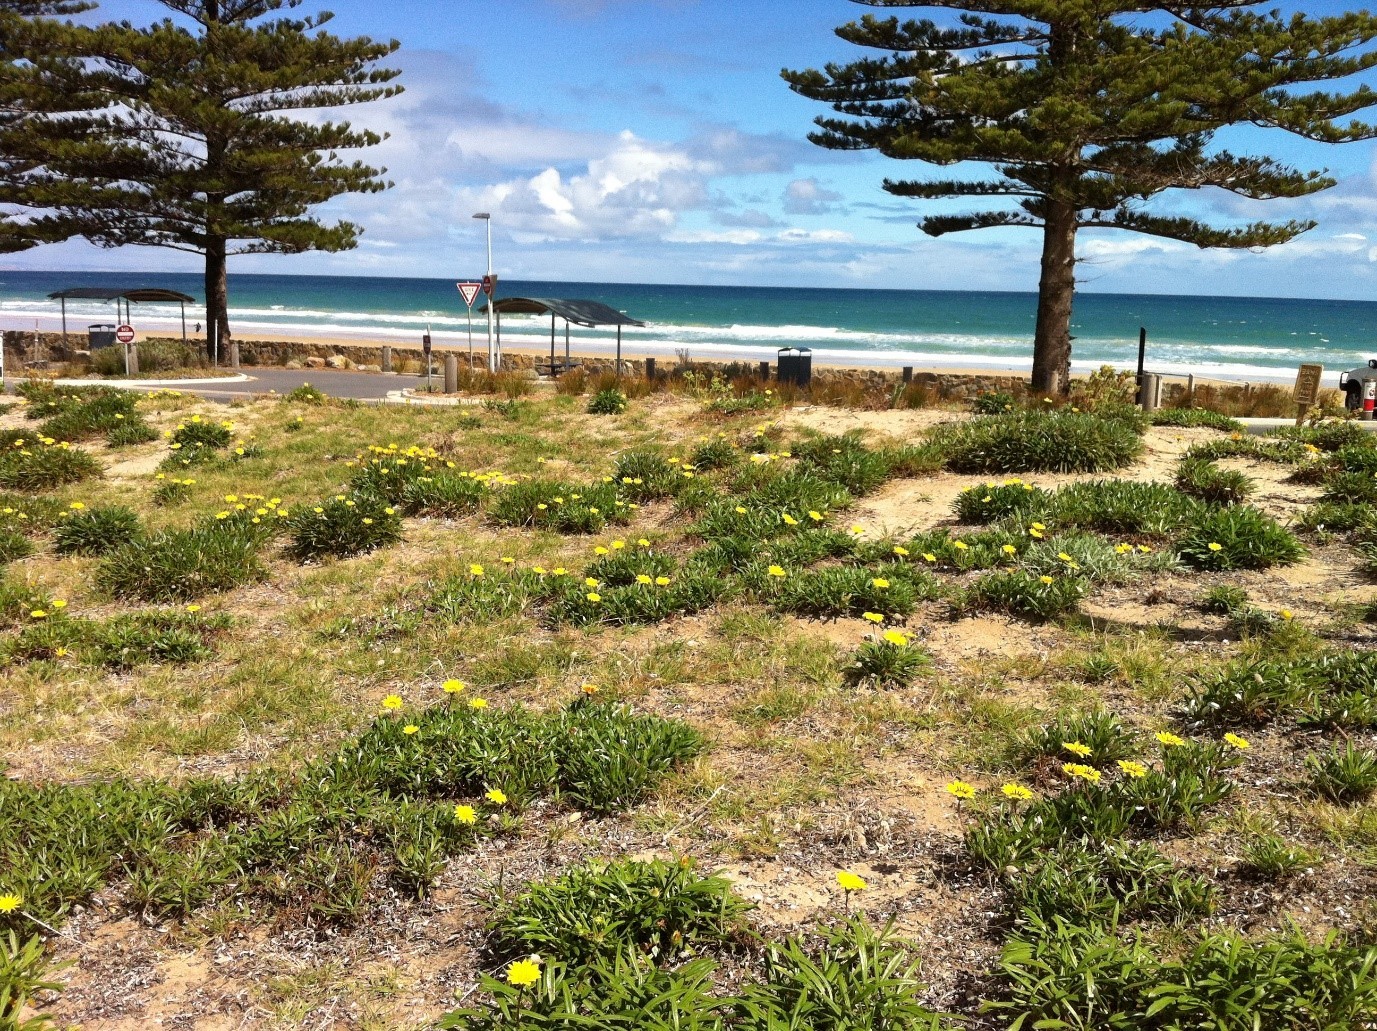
[{"x": 1307, "y": 389}]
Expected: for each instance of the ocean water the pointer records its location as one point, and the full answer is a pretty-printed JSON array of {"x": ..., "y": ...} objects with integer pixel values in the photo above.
[{"x": 1245, "y": 338}]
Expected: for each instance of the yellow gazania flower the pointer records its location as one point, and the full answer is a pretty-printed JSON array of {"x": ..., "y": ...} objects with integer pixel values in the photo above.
[
  {"x": 559, "y": 571},
  {"x": 1215, "y": 546},
  {"x": 662, "y": 581},
  {"x": 901, "y": 552},
  {"x": 1035, "y": 533},
  {"x": 478, "y": 703},
  {"x": 879, "y": 582},
  {"x": 410, "y": 729},
  {"x": 590, "y": 689},
  {"x": 1038, "y": 526},
  {"x": 59, "y": 603},
  {"x": 618, "y": 545},
  {"x": 850, "y": 881},
  {"x": 896, "y": 638},
  {"x": 507, "y": 560},
  {"x": 960, "y": 789},
  {"x": 789, "y": 520},
  {"x": 9, "y": 903},
  {"x": 1046, "y": 579},
  {"x": 1017, "y": 792},
  {"x": 452, "y": 686},
  {"x": 76, "y": 506},
  {"x": 1145, "y": 549},
  {"x": 1132, "y": 769},
  {"x": 643, "y": 542},
  {"x": 39, "y": 614},
  {"x": 740, "y": 510},
  {"x": 392, "y": 702},
  {"x": 874, "y": 617},
  {"x": 594, "y": 597},
  {"x": 1234, "y": 741},
  {"x": 1076, "y": 748},
  {"x": 589, "y": 581},
  {"x": 1170, "y": 740},
  {"x": 777, "y": 571},
  {"x": 1009, "y": 549},
  {"x": 599, "y": 550},
  {"x": 523, "y": 973},
  {"x": 1083, "y": 772},
  {"x": 1065, "y": 557},
  {"x": 641, "y": 578},
  {"x": 496, "y": 797},
  {"x": 1286, "y": 614},
  {"x": 193, "y": 608},
  {"x": 929, "y": 557},
  {"x": 815, "y": 515},
  {"x": 475, "y": 570},
  {"x": 465, "y": 814},
  {"x": 857, "y": 528},
  {"x": 959, "y": 545}
]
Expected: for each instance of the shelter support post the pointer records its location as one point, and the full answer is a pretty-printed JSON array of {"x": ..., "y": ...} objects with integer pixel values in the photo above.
[
  {"x": 619, "y": 350},
  {"x": 64, "y": 323}
]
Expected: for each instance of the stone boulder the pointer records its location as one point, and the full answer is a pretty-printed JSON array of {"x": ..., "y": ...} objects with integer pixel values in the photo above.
[
  {"x": 293, "y": 365},
  {"x": 338, "y": 361},
  {"x": 369, "y": 368},
  {"x": 315, "y": 362}
]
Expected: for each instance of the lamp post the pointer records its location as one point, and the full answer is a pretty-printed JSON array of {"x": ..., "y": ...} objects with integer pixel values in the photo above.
[{"x": 494, "y": 360}]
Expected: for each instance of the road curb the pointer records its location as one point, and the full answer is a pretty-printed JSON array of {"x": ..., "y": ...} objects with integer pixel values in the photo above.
[{"x": 136, "y": 384}]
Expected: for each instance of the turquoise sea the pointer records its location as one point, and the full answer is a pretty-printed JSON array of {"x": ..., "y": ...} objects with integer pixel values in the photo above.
[{"x": 1246, "y": 338}]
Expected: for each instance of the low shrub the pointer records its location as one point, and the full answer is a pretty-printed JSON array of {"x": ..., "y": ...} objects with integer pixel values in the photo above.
[
  {"x": 1211, "y": 484},
  {"x": 644, "y": 475},
  {"x": 1334, "y": 517},
  {"x": 306, "y": 395},
  {"x": 96, "y": 531},
  {"x": 993, "y": 402},
  {"x": 1327, "y": 436},
  {"x": 1224, "y": 599},
  {"x": 844, "y": 460},
  {"x": 608, "y": 402},
  {"x": 663, "y": 911},
  {"x": 1038, "y": 441},
  {"x": 1350, "y": 488},
  {"x": 716, "y": 453},
  {"x": 130, "y": 433},
  {"x": 1107, "y": 739},
  {"x": 343, "y": 526},
  {"x": 181, "y": 565},
  {"x": 1092, "y": 558},
  {"x": 136, "y": 639},
  {"x": 1336, "y": 689},
  {"x": 38, "y": 465},
  {"x": 993, "y": 502},
  {"x": 13, "y": 545},
  {"x": 1120, "y": 506},
  {"x": 1239, "y": 537},
  {"x": 837, "y": 591},
  {"x": 1345, "y": 775},
  {"x": 448, "y": 494},
  {"x": 1191, "y": 418},
  {"x": 94, "y": 412}
]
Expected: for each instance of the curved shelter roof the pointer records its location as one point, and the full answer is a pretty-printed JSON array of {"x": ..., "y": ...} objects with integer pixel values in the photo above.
[
  {"x": 98, "y": 293},
  {"x": 579, "y": 312}
]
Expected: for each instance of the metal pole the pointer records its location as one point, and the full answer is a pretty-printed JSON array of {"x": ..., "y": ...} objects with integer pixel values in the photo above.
[
  {"x": 619, "y": 350},
  {"x": 470, "y": 338},
  {"x": 183, "y": 304},
  {"x": 566, "y": 345},
  {"x": 552, "y": 343},
  {"x": 64, "y": 323},
  {"x": 1142, "y": 358},
  {"x": 494, "y": 349}
]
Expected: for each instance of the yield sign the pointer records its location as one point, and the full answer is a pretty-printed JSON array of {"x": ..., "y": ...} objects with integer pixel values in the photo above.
[{"x": 469, "y": 291}]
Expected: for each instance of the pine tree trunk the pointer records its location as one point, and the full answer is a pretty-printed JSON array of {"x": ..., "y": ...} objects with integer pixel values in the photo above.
[
  {"x": 1056, "y": 292},
  {"x": 217, "y": 299}
]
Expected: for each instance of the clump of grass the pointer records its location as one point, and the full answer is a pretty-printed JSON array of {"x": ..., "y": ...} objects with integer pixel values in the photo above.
[
  {"x": 836, "y": 591},
  {"x": 25, "y": 973},
  {"x": 181, "y": 565},
  {"x": 131, "y": 433},
  {"x": 44, "y": 465},
  {"x": 993, "y": 402},
  {"x": 1335, "y": 689},
  {"x": 1345, "y": 775},
  {"x": 996, "y": 501},
  {"x": 1224, "y": 599},
  {"x": 1191, "y": 418},
  {"x": 647, "y": 600},
  {"x": 1272, "y": 857},
  {"x": 172, "y": 490},
  {"x": 343, "y": 526},
  {"x": 1327, "y": 436},
  {"x": 845, "y": 460},
  {"x": 664, "y": 911},
  {"x": 1020, "y": 593},
  {"x": 444, "y": 494},
  {"x": 563, "y": 507},
  {"x": 1037, "y": 441},
  {"x": 13, "y": 545},
  {"x": 1211, "y": 484},
  {"x": 890, "y": 659},
  {"x": 306, "y": 395},
  {"x": 96, "y": 531},
  {"x": 202, "y": 433},
  {"x": 1100, "y": 731},
  {"x": 1120, "y": 506},
  {"x": 609, "y": 401},
  {"x": 716, "y": 453},
  {"x": 1350, "y": 488},
  {"x": 645, "y": 475},
  {"x": 1239, "y": 537}
]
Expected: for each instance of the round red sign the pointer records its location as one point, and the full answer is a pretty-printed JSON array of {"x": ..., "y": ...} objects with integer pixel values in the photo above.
[{"x": 125, "y": 334}]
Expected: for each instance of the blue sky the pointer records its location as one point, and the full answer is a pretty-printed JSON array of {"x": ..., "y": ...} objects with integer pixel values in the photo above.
[{"x": 653, "y": 141}]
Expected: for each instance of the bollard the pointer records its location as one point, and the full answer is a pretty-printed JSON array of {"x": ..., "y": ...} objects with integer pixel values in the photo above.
[
  {"x": 386, "y": 358},
  {"x": 908, "y": 373},
  {"x": 133, "y": 351},
  {"x": 451, "y": 374},
  {"x": 765, "y": 370},
  {"x": 1150, "y": 396},
  {"x": 650, "y": 368},
  {"x": 234, "y": 353}
]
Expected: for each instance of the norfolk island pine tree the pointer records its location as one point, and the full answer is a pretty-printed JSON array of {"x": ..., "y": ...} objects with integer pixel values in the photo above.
[
  {"x": 200, "y": 151},
  {"x": 1086, "y": 109}
]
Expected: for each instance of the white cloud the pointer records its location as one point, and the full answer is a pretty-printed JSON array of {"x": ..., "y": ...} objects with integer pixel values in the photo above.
[{"x": 809, "y": 197}]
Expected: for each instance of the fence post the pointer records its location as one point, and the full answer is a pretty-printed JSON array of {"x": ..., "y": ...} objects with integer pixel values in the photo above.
[
  {"x": 650, "y": 369},
  {"x": 451, "y": 374},
  {"x": 765, "y": 370},
  {"x": 234, "y": 353},
  {"x": 386, "y": 358},
  {"x": 908, "y": 373}
]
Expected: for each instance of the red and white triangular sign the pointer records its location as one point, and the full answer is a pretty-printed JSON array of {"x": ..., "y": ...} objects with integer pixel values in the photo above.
[{"x": 469, "y": 291}]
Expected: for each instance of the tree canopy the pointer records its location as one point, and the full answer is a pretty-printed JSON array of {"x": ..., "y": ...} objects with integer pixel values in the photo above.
[{"x": 1087, "y": 109}]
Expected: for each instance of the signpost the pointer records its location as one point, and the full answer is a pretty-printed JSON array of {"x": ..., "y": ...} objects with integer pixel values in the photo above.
[
  {"x": 1307, "y": 389},
  {"x": 469, "y": 292},
  {"x": 125, "y": 335},
  {"x": 489, "y": 288}
]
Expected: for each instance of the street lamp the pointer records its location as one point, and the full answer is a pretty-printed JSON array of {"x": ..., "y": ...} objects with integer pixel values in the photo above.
[{"x": 494, "y": 359}]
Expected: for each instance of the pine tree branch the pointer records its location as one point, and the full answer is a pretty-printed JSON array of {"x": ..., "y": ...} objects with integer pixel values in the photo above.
[
  {"x": 1189, "y": 230},
  {"x": 941, "y": 225}
]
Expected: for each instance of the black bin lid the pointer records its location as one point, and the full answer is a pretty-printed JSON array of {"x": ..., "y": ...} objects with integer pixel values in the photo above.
[{"x": 800, "y": 351}]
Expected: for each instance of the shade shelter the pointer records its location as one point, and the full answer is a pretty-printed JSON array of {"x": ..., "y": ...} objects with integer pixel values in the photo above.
[
  {"x": 137, "y": 296},
  {"x": 591, "y": 314}
]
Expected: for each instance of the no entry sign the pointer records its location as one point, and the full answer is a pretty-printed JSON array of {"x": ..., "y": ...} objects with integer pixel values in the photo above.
[
  {"x": 125, "y": 334},
  {"x": 489, "y": 284}
]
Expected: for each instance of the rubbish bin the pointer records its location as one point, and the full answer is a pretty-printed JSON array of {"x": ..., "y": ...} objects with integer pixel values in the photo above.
[
  {"x": 100, "y": 335},
  {"x": 795, "y": 366}
]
